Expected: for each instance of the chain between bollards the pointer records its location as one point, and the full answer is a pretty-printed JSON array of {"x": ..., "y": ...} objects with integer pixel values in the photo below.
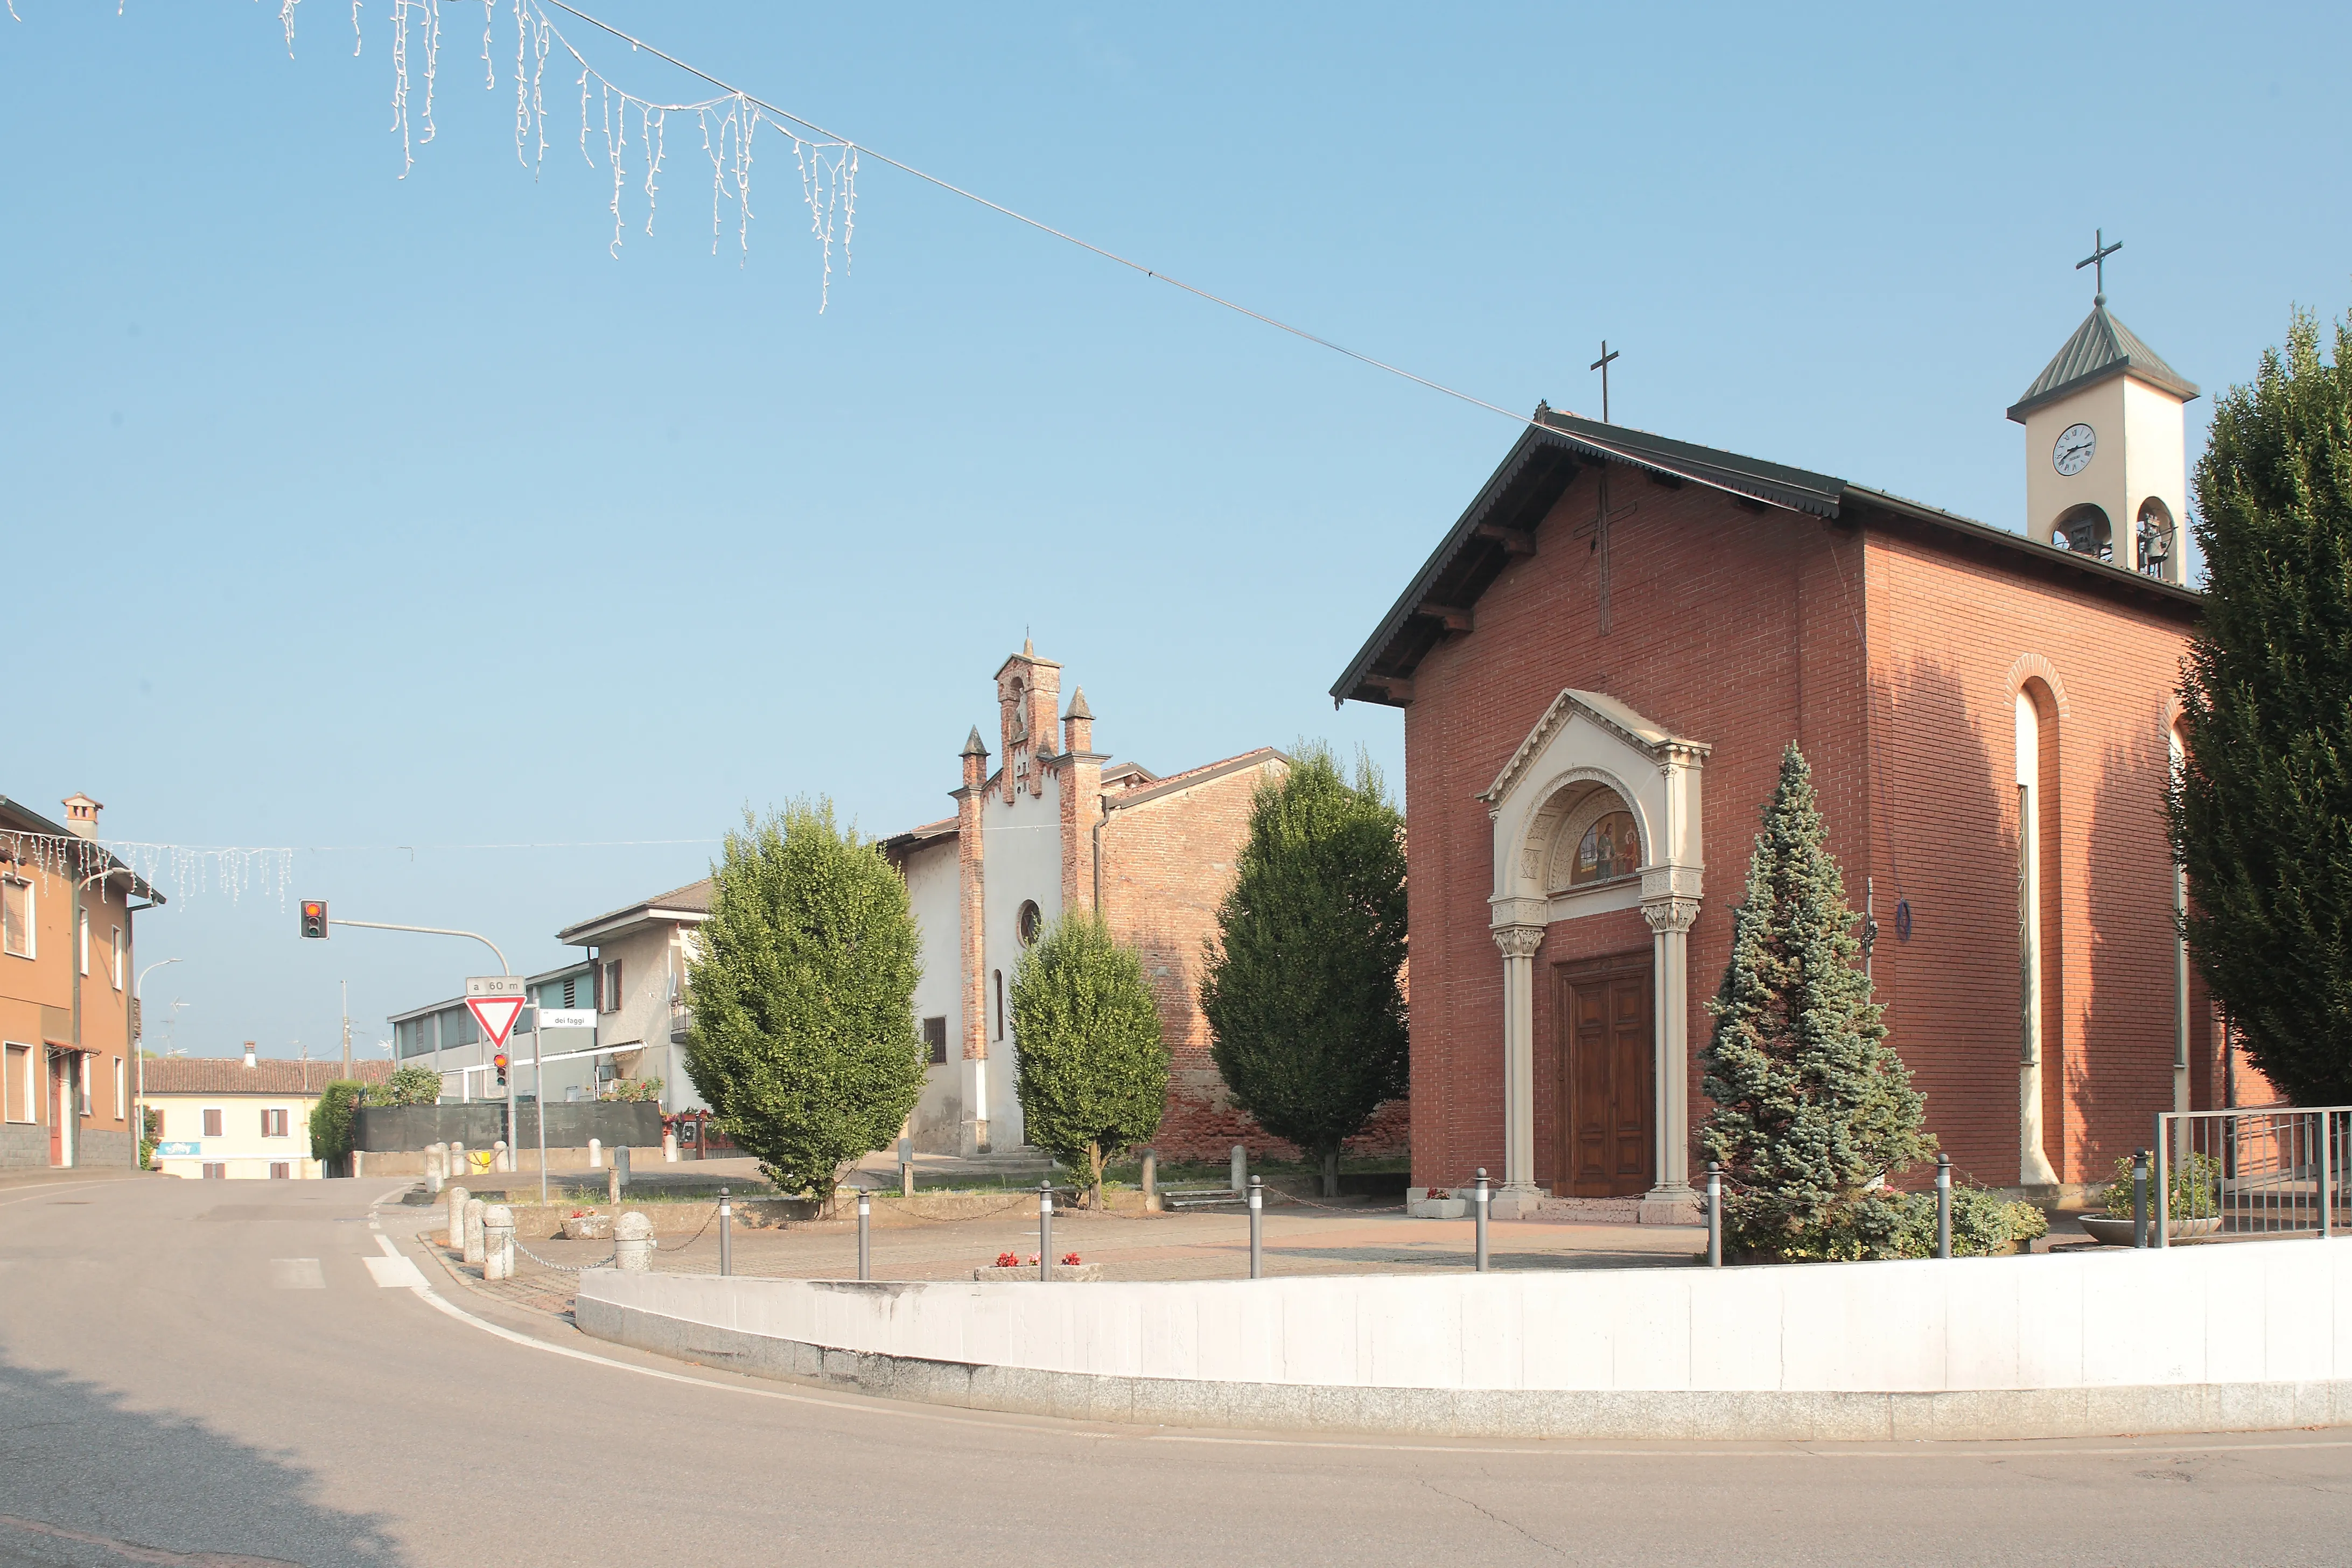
[
  {"x": 2139, "y": 1197},
  {"x": 1045, "y": 1230},
  {"x": 1943, "y": 1206},
  {"x": 865, "y": 1233},
  {"x": 1715, "y": 1213},
  {"x": 1480, "y": 1199},
  {"x": 1258, "y": 1226},
  {"x": 726, "y": 1234}
]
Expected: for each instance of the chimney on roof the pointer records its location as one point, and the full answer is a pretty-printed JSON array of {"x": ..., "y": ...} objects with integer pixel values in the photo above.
[
  {"x": 248, "y": 1053},
  {"x": 81, "y": 816}
]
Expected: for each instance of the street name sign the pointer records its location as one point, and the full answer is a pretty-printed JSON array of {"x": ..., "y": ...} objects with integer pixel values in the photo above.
[{"x": 567, "y": 1017}]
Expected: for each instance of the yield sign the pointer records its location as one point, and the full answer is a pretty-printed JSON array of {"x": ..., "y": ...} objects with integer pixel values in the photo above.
[{"x": 496, "y": 1014}]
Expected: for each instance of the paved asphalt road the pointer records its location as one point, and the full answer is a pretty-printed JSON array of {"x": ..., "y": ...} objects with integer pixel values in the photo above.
[{"x": 210, "y": 1374}]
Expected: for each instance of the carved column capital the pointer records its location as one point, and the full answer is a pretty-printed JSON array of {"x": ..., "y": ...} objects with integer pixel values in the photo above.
[
  {"x": 1671, "y": 914},
  {"x": 1518, "y": 941}
]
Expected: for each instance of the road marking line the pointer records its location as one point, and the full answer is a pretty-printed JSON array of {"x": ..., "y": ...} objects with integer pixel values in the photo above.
[
  {"x": 386, "y": 1245},
  {"x": 392, "y": 1272},
  {"x": 296, "y": 1274}
]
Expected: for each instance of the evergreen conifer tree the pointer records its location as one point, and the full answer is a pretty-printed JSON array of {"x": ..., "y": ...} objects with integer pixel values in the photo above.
[
  {"x": 1811, "y": 1105},
  {"x": 1090, "y": 1070},
  {"x": 1306, "y": 1019},
  {"x": 803, "y": 1037},
  {"x": 2262, "y": 815}
]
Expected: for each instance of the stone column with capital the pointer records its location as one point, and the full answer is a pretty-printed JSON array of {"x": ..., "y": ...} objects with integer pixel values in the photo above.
[
  {"x": 1670, "y": 1200},
  {"x": 1519, "y": 1194}
]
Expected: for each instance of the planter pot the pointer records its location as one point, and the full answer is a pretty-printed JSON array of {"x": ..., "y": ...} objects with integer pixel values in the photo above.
[
  {"x": 588, "y": 1227},
  {"x": 1075, "y": 1273},
  {"x": 1437, "y": 1208},
  {"x": 2115, "y": 1232}
]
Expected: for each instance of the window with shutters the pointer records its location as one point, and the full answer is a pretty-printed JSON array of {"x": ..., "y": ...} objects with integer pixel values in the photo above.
[
  {"x": 16, "y": 916},
  {"x": 216, "y": 1172},
  {"x": 17, "y": 1088},
  {"x": 279, "y": 1170},
  {"x": 273, "y": 1122},
  {"x": 84, "y": 1065},
  {"x": 610, "y": 976},
  {"x": 83, "y": 939},
  {"x": 122, "y": 1087},
  {"x": 116, "y": 961},
  {"x": 212, "y": 1123}
]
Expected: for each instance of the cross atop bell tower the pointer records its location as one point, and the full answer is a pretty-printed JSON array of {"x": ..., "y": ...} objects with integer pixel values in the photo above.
[{"x": 2106, "y": 450}]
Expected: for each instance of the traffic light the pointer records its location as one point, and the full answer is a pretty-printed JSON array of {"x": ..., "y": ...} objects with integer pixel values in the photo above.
[
  {"x": 314, "y": 917},
  {"x": 499, "y": 1062}
]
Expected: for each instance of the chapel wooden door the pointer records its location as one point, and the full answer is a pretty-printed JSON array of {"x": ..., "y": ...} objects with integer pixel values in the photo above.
[{"x": 1608, "y": 1092}]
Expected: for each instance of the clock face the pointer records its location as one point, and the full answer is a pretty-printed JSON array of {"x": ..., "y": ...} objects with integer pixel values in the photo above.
[{"x": 2075, "y": 444}]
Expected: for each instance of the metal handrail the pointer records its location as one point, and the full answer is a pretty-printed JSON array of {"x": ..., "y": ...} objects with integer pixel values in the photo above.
[{"x": 2269, "y": 1170}]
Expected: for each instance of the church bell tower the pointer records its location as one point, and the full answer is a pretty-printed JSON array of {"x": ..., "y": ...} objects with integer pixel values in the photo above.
[{"x": 2106, "y": 450}]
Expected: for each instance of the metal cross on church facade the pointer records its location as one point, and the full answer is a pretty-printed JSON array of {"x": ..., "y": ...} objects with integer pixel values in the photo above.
[
  {"x": 1601, "y": 364},
  {"x": 2100, "y": 251}
]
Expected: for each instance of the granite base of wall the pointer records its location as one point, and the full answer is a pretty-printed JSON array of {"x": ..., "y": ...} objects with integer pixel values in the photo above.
[
  {"x": 112, "y": 1150},
  {"x": 23, "y": 1146},
  {"x": 1680, "y": 1415}
]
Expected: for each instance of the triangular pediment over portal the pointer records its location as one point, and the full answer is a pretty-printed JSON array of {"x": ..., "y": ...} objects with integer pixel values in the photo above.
[{"x": 1652, "y": 740}]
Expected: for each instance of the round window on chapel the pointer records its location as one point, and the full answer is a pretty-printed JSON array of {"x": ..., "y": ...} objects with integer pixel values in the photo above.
[
  {"x": 1610, "y": 848},
  {"x": 1027, "y": 921}
]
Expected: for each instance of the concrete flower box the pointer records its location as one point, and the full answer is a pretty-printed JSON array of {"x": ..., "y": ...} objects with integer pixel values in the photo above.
[
  {"x": 588, "y": 1227},
  {"x": 2114, "y": 1232},
  {"x": 1420, "y": 1206},
  {"x": 1078, "y": 1273}
]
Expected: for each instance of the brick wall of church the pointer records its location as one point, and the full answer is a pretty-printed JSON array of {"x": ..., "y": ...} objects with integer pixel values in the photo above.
[
  {"x": 1746, "y": 630},
  {"x": 1167, "y": 864},
  {"x": 1951, "y": 635}
]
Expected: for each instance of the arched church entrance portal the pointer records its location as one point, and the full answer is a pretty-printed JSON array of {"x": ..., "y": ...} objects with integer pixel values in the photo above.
[{"x": 1608, "y": 1081}]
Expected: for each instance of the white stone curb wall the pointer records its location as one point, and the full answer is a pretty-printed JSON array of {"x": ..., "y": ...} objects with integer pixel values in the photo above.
[{"x": 2244, "y": 1335}]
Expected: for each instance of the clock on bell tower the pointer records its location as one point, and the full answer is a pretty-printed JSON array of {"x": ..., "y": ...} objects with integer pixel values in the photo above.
[{"x": 2105, "y": 458}]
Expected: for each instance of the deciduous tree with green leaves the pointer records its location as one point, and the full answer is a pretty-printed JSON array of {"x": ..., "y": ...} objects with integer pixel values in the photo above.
[
  {"x": 2261, "y": 816},
  {"x": 1091, "y": 1072},
  {"x": 406, "y": 1086},
  {"x": 330, "y": 1118},
  {"x": 1812, "y": 1104},
  {"x": 803, "y": 1037},
  {"x": 1299, "y": 984}
]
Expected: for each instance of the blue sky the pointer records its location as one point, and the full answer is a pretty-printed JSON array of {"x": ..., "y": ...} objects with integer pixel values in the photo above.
[{"x": 354, "y": 510}]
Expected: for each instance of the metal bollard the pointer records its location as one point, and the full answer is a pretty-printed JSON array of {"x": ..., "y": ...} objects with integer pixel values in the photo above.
[
  {"x": 1240, "y": 1167},
  {"x": 633, "y": 1243},
  {"x": 865, "y": 1233},
  {"x": 498, "y": 1242},
  {"x": 2327, "y": 1175},
  {"x": 474, "y": 1207},
  {"x": 1045, "y": 1230},
  {"x": 1151, "y": 1181},
  {"x": 1480, "y": 1197},
  {"x": 456, "y": 1197},
  {"x": 595, "y": 1155},
  {"x": 2139, "y": 1197},
  {"x": 1257, "y": 1227},
  {"x": 726, "y": 1234},
  {"x": 1943, "y": 1206},
  {"x": 1715, "y": 1213}
]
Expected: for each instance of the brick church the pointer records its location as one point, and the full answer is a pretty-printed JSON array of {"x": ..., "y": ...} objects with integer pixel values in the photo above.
[
  {"x": 1599, "y": 667},
  {"x": 1058, "y": 825}
]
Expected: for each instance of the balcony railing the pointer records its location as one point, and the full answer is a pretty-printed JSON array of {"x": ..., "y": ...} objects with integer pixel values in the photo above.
[{"x": 681, "y": 1019}]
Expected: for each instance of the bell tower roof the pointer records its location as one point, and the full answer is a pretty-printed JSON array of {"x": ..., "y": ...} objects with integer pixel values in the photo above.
[{"x": 2101, "y": 347}]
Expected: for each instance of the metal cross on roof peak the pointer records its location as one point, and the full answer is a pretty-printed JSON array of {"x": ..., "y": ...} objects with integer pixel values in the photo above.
[
  {"x": 1601, "y": 364},
  {"x": 2100, "y": 251}
]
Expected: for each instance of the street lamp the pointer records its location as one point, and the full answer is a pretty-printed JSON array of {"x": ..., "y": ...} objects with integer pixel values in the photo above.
[{"x": 138, "y": 1007}]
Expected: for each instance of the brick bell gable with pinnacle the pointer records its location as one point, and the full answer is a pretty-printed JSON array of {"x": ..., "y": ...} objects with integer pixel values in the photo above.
[
  {"x": 1057, "y": 825},
  {"x": 1618, "y": 619}
]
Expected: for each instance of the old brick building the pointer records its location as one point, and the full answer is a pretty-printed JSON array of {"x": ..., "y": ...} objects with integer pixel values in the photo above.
[
  {"x": 1599, "y": 668},
  {"x": 1058, "y": 825}
]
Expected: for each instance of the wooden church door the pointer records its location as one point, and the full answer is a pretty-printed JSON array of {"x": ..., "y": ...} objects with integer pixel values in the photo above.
[{"x": 1608, "y": 1100}]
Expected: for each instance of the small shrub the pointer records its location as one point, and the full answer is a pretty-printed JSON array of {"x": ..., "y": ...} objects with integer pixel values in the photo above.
[
  {"x": 2196, "y": 1184},
  {"x": 408, "y": 1085},
  {"x": 1884, "y": 1224}
]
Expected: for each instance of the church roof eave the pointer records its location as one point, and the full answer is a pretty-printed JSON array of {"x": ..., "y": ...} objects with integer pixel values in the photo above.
[{"x": 2102, "y": 348}]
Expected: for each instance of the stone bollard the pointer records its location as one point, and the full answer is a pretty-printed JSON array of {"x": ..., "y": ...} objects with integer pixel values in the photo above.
[
  {"x": 498, "y": 1242},
  {"x": 436, "y": 1168},
  {"x": 669, "y": 1147},
  {"x": 457, "y": 1162},
  {"x": 620, "y": 1164},
  {"x": 458, "y": 1196},
  {"x": 595, "y": 1155},
  {"x": 1241, "y": 1169},
  {"x": 505, "y": 1159},
  {"x": 1151, "y": 1181},
  {"x": 613, "y": 1188},
  {"x": 633, "y": 1243},
  {"x": 474, "y": 1207}
]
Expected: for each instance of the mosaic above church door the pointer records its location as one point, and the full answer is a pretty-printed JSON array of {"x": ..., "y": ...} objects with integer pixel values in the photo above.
[{"x": 1607, "y": 1099}]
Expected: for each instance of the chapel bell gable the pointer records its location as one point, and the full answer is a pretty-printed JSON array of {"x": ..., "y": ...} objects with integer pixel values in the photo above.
[
  {"x": 1028, "y": 699},
  {"x": 2105, "y": 449}
]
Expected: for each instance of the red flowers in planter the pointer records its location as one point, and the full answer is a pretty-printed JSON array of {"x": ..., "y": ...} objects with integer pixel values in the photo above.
[
  {"x": 1007, "y": 1260},
  {"x": 1070, "y": 1259}
]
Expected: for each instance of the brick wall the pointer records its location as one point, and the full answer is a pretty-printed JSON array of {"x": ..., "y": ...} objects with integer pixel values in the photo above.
[{"x": 1887, "y": 660}]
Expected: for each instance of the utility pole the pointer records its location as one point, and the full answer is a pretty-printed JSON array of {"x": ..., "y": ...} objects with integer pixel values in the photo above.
[{"x": 347, "y": 1026}]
